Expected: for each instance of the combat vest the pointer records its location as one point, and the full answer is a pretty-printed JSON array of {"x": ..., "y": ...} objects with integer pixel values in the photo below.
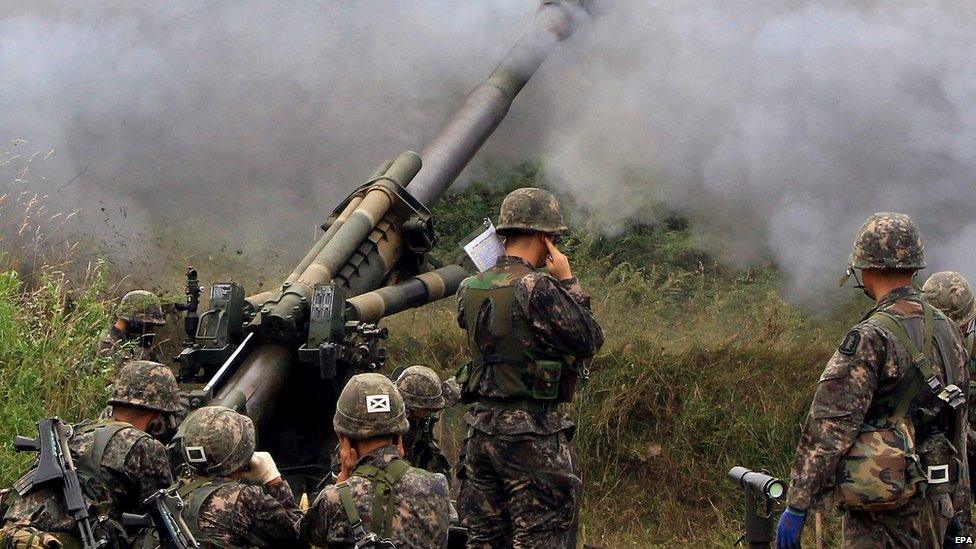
[
  {"x": 92, "y": 474},
  {"x": 900, "y": 451},
  {"x": 195, "y": 493},
  {"x": 512, "y": 370},
  {"x": 384, "y": 483}
]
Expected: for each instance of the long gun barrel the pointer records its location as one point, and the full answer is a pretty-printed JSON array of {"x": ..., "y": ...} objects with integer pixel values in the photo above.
[{"x": 371, "y": 262}]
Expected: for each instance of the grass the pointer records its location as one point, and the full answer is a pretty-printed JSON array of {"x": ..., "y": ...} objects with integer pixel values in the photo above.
[{"x": 705, "y": 367}]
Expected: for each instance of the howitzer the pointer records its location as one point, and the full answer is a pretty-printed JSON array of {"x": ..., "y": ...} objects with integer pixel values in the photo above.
[
  {"x": 55, "y": 466},
  {"x": 762, "y": 492},
  {"x": 164, "y": 514},
  {"x": 309, "y": 336}
]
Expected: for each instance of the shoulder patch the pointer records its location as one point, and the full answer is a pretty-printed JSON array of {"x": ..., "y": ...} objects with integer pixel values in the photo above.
[{"x": 850, "y": 344}]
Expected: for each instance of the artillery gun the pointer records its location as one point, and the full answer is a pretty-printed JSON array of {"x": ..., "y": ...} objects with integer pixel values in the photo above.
[{"x": 284, "y": 355}]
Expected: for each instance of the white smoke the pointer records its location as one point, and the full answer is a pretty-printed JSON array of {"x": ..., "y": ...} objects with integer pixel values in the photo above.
[
  {"x": 780, "y": 126},
  {"x": 777, "y": 126}
]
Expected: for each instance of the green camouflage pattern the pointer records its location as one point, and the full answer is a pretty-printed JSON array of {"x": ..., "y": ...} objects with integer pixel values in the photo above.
[
  {"x": 519, "y": 491},
  {"x": 531, "y": 209},
  {"x": 888, "y": 241},
  {"x": 860, "y": 386},
  {"x": 917, "y": 524},
  {"x": 952, "y": 294},
  {"x": 25, "y": 536},
  {"x": 141, "y": 306},
  {"x": 148, "y": 385},
  {"x": 370, "y": 406},
  {"x": 421, "y": 501},
  {"x": 880, "y": 470},
  {"x": 242, "y": 515},
  {"x": 226, "y": 438},
  {"x": 421, "y": 389},
  {"x": 133, "y": 467},
  {"x": 422, "y": 450}
]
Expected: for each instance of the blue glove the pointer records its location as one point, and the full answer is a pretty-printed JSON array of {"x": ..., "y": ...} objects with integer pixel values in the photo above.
[{"x": 789, "y": 528}]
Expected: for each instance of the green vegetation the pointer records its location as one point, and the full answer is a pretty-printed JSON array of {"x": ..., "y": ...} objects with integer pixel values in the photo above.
[
  {"x": 48, "y": 336},
  {"x": 705, "y": 367}
]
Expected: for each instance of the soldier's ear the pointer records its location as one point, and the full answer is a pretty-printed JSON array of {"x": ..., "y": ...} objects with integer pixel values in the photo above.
[{"x": 399, "y": 444}]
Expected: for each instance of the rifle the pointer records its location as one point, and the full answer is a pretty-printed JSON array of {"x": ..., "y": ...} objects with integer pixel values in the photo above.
[
  {"x": 54, "y": 464},
  {"x": 763, "y": 489},
  {"x": 164, "y": 513}
]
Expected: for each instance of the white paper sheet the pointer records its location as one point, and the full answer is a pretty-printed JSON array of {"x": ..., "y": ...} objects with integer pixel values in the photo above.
[{"x": 485, "y": 248}]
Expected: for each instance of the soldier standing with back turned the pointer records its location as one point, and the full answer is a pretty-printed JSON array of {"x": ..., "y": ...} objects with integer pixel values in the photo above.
[
  {"x": 949, "y": 292},
  {"x": 877, "y": 438},
  {"x": 528, "y": 334}
]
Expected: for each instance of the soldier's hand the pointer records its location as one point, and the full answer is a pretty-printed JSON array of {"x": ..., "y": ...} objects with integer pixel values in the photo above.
[
  {"x": 348, "y": 457},
  {"x": 261, "y": 470},
  {"x": 557, "y": 262}
]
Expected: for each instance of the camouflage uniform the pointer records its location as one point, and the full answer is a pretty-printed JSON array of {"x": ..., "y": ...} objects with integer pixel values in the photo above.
[
  {"x": 951, "y": 292},
  {"x": 862, "y": 385},
  {"x": 113, "y": 343},
  {"x": 142, "y": 311},
  {"x": 519, "y": 486},
  {"x": 423, "y": 395},
  {"x": 221, "y": 512},
  {"x": 416, "y": 503},
  {"x": 421, "y": 499},
  {"x": 118, "y": 464}
]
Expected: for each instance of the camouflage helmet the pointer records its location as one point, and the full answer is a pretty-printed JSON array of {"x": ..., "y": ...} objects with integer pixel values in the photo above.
[
  {"x": 888, "y": 241},
  {"x": 370, "y": 406},
  {"x": 217, "y": 441},
  {"x": 146, "y": 384},
  {"x": 952, "y": 294},
  {"x": 141, "y": 306},
  {"x": 531, "y": 209},
  {"x": 421, "y": 389}
]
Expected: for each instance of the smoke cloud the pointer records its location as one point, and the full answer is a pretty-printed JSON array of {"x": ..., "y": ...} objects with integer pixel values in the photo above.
[{"x": 778, "y": 127}]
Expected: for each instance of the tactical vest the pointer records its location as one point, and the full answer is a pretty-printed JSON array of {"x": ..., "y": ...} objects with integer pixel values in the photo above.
[
  {"x": 898, "y": 449},
  {"x": 513, "y": 371},
  {"x": 194, "y": 493},
  {"x": 92, "y": 473},
  {"x": 384, "y": 483}
]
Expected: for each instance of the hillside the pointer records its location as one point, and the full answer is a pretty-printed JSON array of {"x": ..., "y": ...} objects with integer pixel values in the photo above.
[{"x": 705, "y": 367}]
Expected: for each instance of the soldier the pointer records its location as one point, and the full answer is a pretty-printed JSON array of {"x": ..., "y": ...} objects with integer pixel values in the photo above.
[
  {"x": 423, "y": 395},
  {"x": 876, "y": 441},
  {"x": 377, "y": 496},
  {"x": 950, "y": 292},
  {"x": 136, "y": 319},
  {"x": 528, "y": 334},
  {"x": 233, "y": 496},
  {"x": 119, "y": 463}
]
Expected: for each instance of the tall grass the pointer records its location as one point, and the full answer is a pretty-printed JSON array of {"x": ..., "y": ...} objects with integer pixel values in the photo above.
[
  {"x": 705, "y": 367},
  {"x": 48, "y": 336}
]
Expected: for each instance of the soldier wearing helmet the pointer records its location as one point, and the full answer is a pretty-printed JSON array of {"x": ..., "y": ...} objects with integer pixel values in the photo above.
[
  {"x": 378, "y": 498},
  {"x": 132, "y": 337},
  {"x": 528, "y": 333},
  {"x": 880, "y": 439},
  {"x": 233, "y": 496},
  {"x": 120, "y": 463},
  {"x": 423, "y": 395},
  {"x": 950, "y": 292}
]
